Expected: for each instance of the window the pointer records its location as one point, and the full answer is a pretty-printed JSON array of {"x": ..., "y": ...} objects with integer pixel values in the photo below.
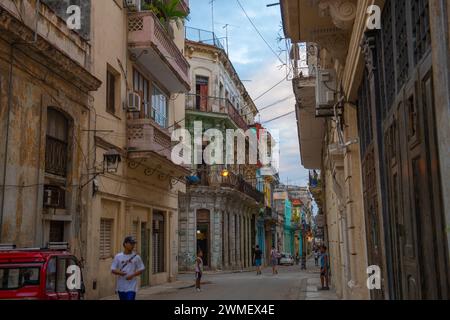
[
  {"x": 158, "y": 242},
  {"x": 17, "y": 277},
  {"x": 56, "y": 150},
  {"x": 159, "y": 107},
  {"x": 50, "y": 283},
  {"x": 106, "y": 226},
  {"x": 142, "y": 85},
  {"x": 110, "y": 92},
  {"x": 56, "y": 231}
]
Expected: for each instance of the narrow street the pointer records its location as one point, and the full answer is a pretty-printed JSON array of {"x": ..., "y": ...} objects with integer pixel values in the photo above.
[{"x": 291, "y": 283}]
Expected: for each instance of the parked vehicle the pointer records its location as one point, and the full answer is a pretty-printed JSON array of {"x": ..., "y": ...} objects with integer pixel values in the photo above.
[
  {"x": 40, "y": 273},
  {"x": 287, "y": 259}
]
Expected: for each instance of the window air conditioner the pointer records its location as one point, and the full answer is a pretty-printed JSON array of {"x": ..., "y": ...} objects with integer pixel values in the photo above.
[
  {"x": 133, "y": 5},
  {"x": 326, "y": 89},
  {"x": 134, "y": 102}
]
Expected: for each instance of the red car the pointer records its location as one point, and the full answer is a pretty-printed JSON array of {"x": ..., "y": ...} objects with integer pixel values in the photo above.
[{"x": 40, "y": 274}]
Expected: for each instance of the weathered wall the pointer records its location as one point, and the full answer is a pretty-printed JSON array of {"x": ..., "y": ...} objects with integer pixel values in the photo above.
[
  {"x": 60, "y": 7},
  {"x": 32, "y": 94}
]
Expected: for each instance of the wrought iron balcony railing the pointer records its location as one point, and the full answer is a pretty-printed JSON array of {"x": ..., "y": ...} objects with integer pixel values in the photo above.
[
  {"x": 215, "y": 105},
  {"x": 213, "y": 177}
]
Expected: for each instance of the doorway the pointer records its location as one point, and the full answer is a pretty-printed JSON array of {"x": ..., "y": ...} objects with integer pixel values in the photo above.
[{"x": 202, "y": 232}]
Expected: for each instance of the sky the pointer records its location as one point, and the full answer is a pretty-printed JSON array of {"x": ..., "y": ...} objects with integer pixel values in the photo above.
[{"x": 258, "y": 67}]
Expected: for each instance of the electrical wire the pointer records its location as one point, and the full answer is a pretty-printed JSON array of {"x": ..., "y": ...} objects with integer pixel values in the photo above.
[
  {"x": 259, "y": 33},
  {"x": 279, "y": 117}
]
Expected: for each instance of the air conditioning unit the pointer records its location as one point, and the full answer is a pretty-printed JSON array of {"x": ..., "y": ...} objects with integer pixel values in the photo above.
[
  {"x": 134, "y": 102},
  {"x": 133, "y": 5},
  {"x": 51, "y": 197},
  {"x": 326, "y": 89}
]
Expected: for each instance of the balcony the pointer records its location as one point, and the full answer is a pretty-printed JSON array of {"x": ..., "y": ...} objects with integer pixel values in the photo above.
[
  {"x": 151, "y": 44},
  {"x": 216, "y": 107},
  {"x": 146, "y": 137},
  {"x": 213, "y": 178}
]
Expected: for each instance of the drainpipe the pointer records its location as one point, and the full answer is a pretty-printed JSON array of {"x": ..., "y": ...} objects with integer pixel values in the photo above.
[{"x": 8, "y": 114}]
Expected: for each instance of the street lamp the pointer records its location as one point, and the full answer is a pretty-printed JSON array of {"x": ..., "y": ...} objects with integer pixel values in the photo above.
[{"x": 111, "y": 160}]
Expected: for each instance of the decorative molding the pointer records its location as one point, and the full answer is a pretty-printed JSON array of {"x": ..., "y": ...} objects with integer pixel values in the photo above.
[
  {"x": 368, "y": 45},
  {"x": 342, "y": 12}
]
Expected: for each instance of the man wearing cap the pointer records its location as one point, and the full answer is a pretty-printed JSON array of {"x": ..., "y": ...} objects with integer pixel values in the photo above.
[{"x": 127, "y": 265}]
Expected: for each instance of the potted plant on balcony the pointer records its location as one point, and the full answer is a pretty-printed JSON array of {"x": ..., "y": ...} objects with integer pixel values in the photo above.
[{"x": 166, "y": 11}]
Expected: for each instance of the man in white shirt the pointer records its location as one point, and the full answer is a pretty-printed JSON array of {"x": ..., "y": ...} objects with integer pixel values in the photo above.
[{"x": 127, "y": 265}]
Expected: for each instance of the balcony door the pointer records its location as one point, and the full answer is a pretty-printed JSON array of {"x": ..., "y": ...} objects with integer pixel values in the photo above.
[{"x": 201, "y": 91}]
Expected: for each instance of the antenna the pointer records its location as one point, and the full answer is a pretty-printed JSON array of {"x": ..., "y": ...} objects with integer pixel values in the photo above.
[
  {"x": 226, "y": 34},
  {"x": 212, "y": 15}
]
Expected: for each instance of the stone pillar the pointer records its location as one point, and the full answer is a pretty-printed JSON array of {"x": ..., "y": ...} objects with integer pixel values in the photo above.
[
  {"x": 246, "y": 253},
  {"x": 244, "y": 242},
  {"x": 225, "y": 237},
  {"x": 249, "y": 244},
  {"x": 232, "y": 240},
  {"x": 238, "y": 241}
]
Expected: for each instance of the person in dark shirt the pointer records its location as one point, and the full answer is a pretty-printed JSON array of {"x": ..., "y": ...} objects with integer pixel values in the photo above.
[{"x": 257, "y": 258}]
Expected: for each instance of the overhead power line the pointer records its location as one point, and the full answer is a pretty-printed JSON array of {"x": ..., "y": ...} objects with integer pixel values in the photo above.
[
  {"x": 259, "y": 33},
  {"x": 279, "y": 117}
]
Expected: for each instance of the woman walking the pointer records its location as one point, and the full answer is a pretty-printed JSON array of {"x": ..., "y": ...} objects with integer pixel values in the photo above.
[
  {"x": 198, "y": 270},
  {"x": 274, "y": 260}
]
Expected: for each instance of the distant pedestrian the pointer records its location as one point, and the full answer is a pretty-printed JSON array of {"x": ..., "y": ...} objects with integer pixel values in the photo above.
[
  {"x": 127, "y": 265},
  {"x": 316, "y": 257},
  {"x": 198, "y": 269},
  {"x": 257, "y": 257},
  {"x": 324, "y": 268},
  {"x": 274, "y": 260}
]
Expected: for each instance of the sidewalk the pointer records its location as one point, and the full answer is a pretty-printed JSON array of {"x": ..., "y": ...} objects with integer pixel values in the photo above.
[
  {"x": 313, "y": 284},
  {"x": 184, "y": 282},
  {"x": 153, "y": 290}
]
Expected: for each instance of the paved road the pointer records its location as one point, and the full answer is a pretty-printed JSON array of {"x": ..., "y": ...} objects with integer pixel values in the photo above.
[{"x": 290, "y": 284}]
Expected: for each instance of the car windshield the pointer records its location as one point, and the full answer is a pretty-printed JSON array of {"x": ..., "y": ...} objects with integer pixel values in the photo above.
[{"x": 17, "y": 277}]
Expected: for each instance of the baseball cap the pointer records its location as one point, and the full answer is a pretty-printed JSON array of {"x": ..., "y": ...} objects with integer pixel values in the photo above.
[{"x": 129, "y": 239}]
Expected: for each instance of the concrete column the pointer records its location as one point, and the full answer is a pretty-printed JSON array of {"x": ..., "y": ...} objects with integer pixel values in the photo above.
[
  {"x": 247, "y": 238},
  {"x": 232, "y": 240},
  {"x": 244, "y": 241},
  {"x": 249, "y": 244},
  {"x": 238, "y": 240},
  {"x": 225, "y": 236}
]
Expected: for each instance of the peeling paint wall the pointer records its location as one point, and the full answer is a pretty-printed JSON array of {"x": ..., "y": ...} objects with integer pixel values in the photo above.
[{"x": 35, "y": 88}]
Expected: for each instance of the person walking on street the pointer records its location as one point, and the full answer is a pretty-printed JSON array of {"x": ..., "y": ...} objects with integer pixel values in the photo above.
[
  {"x": 316, "y": 257},
  {"x": 198, "y": 270},
  {"x": 257, "y": 256},
  {"x": 274, "y": 260},
  {"x": 324, "y": 268},
  {"x": 127, "y": 265}
]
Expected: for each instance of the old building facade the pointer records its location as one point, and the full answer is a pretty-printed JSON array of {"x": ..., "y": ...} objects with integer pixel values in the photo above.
[
  {"x": 218, "y": 212},
  {"x": 383, "y": 141},
  {"x": 46, "y": 112},
  {"x": 139, "y": 58}
]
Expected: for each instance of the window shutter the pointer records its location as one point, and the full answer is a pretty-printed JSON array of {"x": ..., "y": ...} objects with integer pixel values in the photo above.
[{"x": 106, "y": 238}]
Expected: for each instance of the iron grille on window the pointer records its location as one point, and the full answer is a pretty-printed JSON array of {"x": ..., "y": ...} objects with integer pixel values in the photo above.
[
  {"x": 401, "y": 42},
  {"x": 56, "y": 156},
  {"x": 420, "y": 13},
  {"x": 388, "y": 49}
]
